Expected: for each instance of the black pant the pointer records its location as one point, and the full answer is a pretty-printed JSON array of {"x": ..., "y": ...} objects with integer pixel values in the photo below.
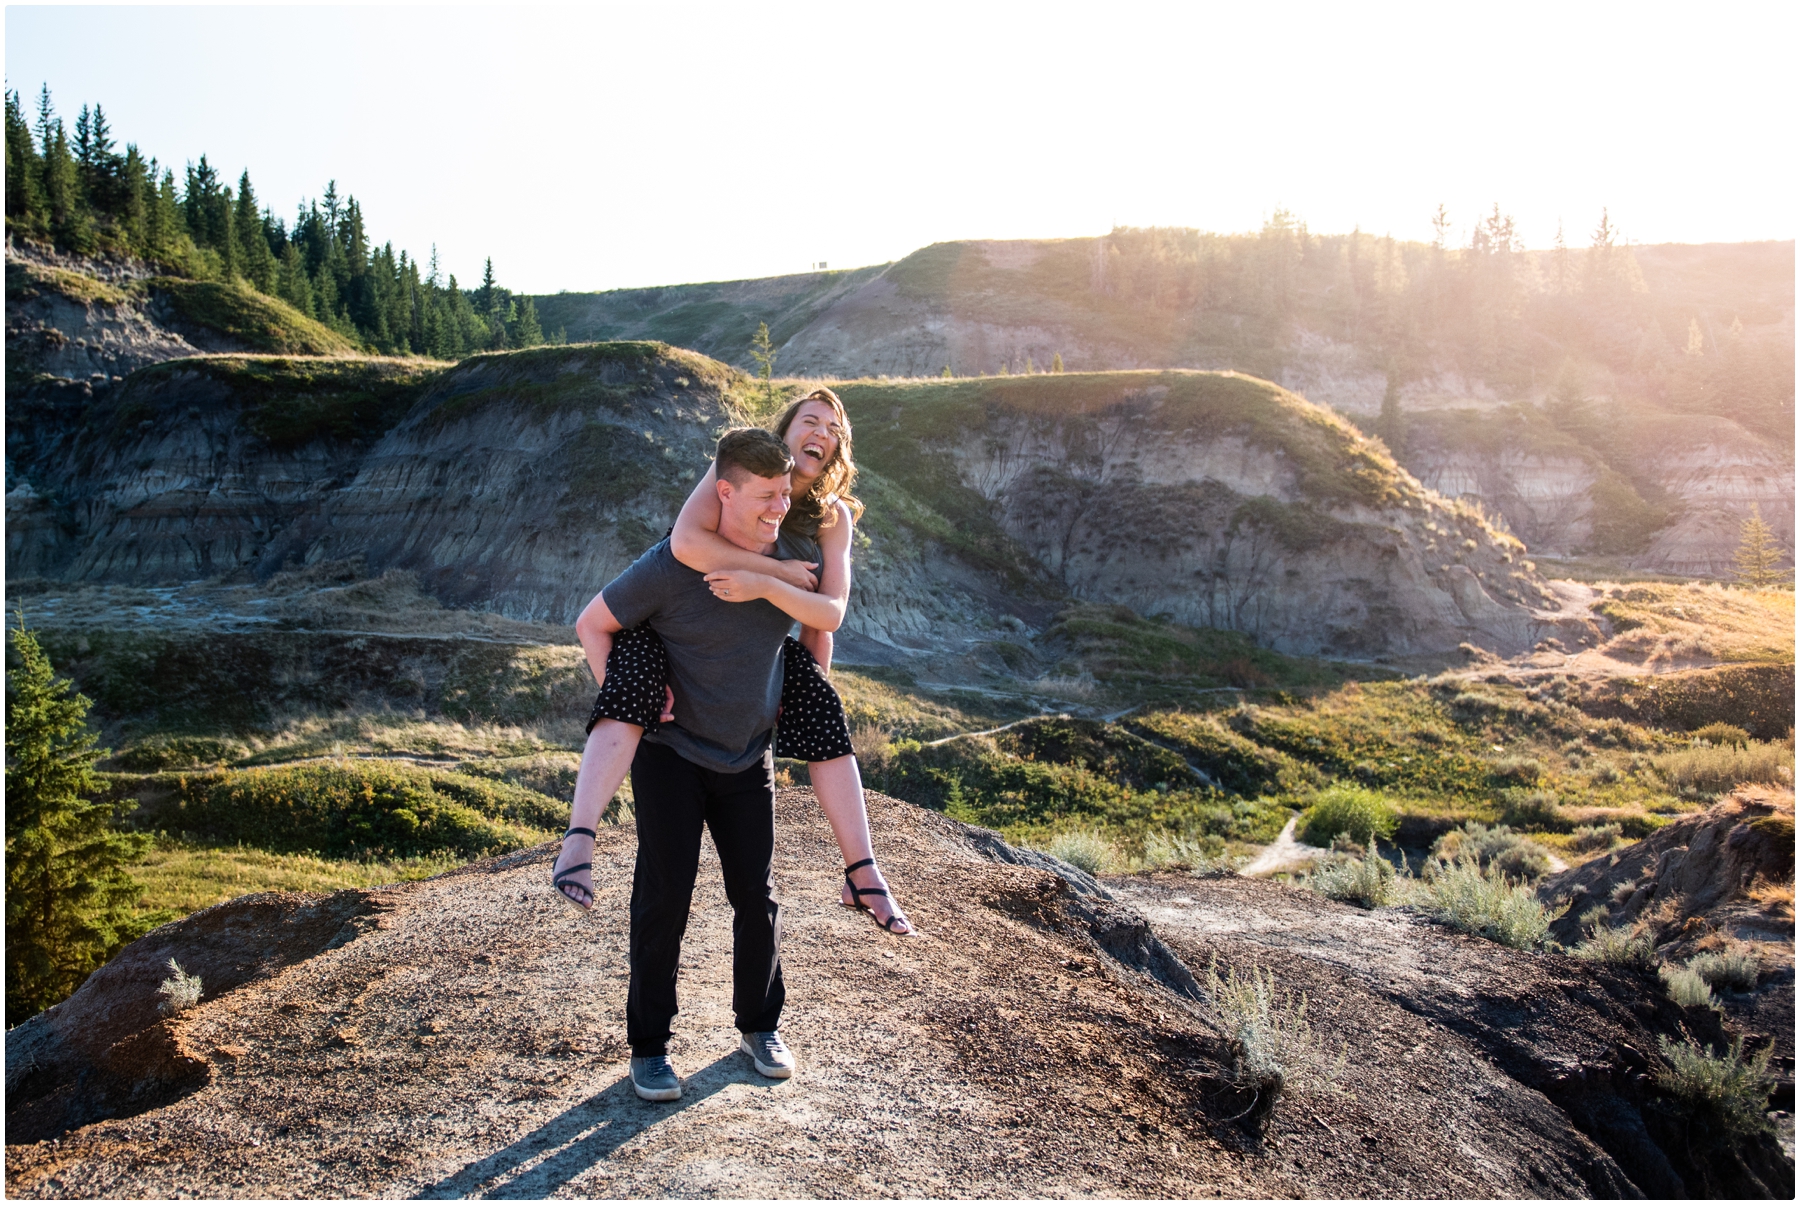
[{"x": 673, "y": 797}]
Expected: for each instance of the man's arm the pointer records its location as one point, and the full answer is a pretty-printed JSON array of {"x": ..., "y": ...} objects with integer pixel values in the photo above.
[
  {"x": 595, "y": 628},
  {"x": 696, "y": 542}
]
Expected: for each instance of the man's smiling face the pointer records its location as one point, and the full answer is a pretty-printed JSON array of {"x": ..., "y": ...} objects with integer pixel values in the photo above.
[{"x": 750, "y": 513}]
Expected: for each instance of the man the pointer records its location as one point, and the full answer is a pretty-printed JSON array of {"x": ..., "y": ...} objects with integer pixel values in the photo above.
[{"x": 711, "y": 765}]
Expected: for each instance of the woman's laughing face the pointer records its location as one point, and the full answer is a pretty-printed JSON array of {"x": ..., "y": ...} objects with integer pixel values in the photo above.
[{"x": 812, "y": 437}]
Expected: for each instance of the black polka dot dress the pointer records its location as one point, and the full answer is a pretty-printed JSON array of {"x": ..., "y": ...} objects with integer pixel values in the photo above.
[
  {"x": 812, "y": 726},
  {"x": 637, "y": 670}
]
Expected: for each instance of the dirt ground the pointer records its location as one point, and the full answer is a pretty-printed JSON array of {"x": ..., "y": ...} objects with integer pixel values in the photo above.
[{"x": 463, "y": 1036}]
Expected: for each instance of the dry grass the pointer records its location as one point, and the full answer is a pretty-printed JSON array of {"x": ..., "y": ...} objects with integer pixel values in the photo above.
[
  {"x": 1661, "y": 624},
  {"x": 185, "y": 876},
  {"x": 1777, "y": 899},
  {"x": 1705, "y": 770},
  {"x": 403, "y": 734}
]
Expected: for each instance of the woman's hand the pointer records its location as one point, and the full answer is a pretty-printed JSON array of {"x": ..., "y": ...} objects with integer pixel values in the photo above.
[
  {"x": 800, "y": 575},
  {"x": 736, "y": 586}
]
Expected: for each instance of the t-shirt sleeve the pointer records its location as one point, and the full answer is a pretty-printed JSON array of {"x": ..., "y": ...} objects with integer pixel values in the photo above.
[{"x": 639, "y": 592}]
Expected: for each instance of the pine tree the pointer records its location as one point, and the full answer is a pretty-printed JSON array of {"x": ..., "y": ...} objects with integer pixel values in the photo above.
[
  {"x": 254, "y": 259},
  {"x": 1391, "y": 424},
  {"x": 527, "y": 332},
  {"x": 70, "y": 905},
  {"x": 1056, "y": 364},
  {"x": 763, "y": 352},
  {"x": 1758, "y": 555},
  {"x": 24, "y": 173}
]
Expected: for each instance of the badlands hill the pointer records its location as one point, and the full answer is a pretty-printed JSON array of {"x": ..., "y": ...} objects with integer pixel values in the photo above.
[
  {"x": 1680, "y": 355},
  {"x": 1049, "y": 1036},
  {"x": 520, "y": 482}
]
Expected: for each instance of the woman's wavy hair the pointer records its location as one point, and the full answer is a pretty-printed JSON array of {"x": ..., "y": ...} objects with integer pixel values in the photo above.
[{"x": 817, "y": 508}]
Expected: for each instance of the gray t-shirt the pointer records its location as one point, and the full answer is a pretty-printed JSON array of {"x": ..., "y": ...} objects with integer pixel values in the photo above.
[{"x": 724, "y": 657}]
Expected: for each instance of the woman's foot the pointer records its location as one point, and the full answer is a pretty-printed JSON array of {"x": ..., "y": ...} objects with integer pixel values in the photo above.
[
  {"x": 865, "y": 888},
  {"x": 572, "y": 874}
]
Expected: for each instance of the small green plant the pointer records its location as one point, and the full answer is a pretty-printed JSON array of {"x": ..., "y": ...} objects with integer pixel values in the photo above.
[
  {"x": 1163, "y": 852},
  {"x": 1084, "y": 849},
  {"x": 1498, "y": 849},
  {"x": 1370, "y": 881},
  {"x": 1596, "y": 838},
  {"x": 1620, "y": 945},
  {"x": 1718, "y": 733},
  {"x": 1687, "y": 988},
  {"x": 1274, "y": 1050},
  {"x": 1532, "y": 811},
  {"x": 1733, "y": 969},
  {"x": 1354, "y": 812},
  {"x": 180, "y": 991},
  {"x": 1725, "y": 1089},
  {"x": 1464, "y": 896}
]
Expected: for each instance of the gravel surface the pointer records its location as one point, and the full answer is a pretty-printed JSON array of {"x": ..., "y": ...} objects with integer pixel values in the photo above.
[{"x": 463, "y": 1036}]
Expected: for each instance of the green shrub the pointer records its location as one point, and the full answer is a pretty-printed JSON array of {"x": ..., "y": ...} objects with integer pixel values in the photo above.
[
  {"x": 1083, "y": 849},
  {"x": 1464, "y": 896},
  {"x": 1724, "y": 1089},
  {"x": 1274, "y": 1051},
  {"x": 1354, "y": 812},
  {"x": 1498, "y": 849},
  {"x": 1706, "y": 770},
  {"x": 1735, "y": 969},
  {"x": 1686, "y": 987},
  {"x": 1718, "y": 733},
  {"x": 1619, "y": 945},
  {"x": 1525, "y": 770},
  {"x": 1368, "y": 881},
  {"x": 364, "y": 808},
  {"x": 1534, "y": 811},
  {"x": 179, "y": 753},
  {"x": 1592, "y": 838},
  {"x": 1164, "y": 852}
]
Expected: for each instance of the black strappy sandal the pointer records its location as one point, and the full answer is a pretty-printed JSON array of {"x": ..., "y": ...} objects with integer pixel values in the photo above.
[
  {"x": 558, "y": 879},
  {"x": 897, "y": 918}
]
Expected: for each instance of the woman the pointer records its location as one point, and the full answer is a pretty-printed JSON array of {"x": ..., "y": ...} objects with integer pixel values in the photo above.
[{"x": 812, "y": 728}]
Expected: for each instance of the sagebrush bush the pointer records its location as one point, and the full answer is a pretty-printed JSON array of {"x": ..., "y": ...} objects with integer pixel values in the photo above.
[
  {"x": 1725, "y": 1089},
  {"x": 1164, "y": 852},
  {"x": 179, "y": 991},
  {"x": 1533, "y": 811},
  {"x": 1686, "y": 988},
  {"x": 1733, "y": 969},
  {"x": 1718, "y": 733},
  {"x": 1620, "y": 945},
  {"x": 1465, "y": 896},
  {"x": 1083, "y": 849},
  {"x": 1591, "y": 838},
  {"x": 1274, "y": 1050},
  {"x": 1362, "y": 815},
  {"x": 1497, "y": 848},
  {"x": 1712, "y": 769},
  {"x": 1370, "y": 881}
]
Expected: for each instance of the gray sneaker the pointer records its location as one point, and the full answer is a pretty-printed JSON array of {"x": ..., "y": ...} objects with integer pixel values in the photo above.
[
  {"x": 769, "y": 1053},
  {"x": 655, "y": 1078}
]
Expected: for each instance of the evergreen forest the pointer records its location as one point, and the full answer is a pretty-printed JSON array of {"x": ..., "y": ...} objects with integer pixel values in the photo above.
[{"x": 76, "y": 191}]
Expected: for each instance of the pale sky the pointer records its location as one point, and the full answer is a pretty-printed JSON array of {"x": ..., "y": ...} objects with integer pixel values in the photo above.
[{"x": 655, "y": 143}]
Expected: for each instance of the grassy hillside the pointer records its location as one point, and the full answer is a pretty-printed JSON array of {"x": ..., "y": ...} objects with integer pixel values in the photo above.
[
  {"x": 256, "y": 320},
  {"x": 718, "y": 319}
]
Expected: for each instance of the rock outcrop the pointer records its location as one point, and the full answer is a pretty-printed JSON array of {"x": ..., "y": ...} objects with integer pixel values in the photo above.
[
  {"x": 521, "y": 482},
  {"x": 462, "y": 1036}
]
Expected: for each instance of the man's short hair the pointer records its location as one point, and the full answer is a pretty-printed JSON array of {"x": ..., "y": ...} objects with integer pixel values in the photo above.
[{"x": 746, "y": 452}]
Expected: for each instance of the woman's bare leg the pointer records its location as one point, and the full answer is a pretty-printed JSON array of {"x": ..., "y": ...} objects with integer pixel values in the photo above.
[
  {"x": 838, "y": 786},
  {"x": 605, "y": 762}
]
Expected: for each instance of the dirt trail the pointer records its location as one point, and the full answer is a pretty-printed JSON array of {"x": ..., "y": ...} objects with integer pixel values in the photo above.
[
  {"x": 462, "y": 1036},
  {"x": 1283, "y": 853}
]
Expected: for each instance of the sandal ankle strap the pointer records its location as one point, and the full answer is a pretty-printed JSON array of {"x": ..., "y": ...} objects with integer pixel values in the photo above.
[{"x": 858, "y": 866}]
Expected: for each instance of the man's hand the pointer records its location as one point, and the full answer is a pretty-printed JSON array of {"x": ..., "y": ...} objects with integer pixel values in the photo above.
[
  {"x": 668, "y": 711},
  {"x": 802, "y": 575},
  {"x": 735, "y": 586}
]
